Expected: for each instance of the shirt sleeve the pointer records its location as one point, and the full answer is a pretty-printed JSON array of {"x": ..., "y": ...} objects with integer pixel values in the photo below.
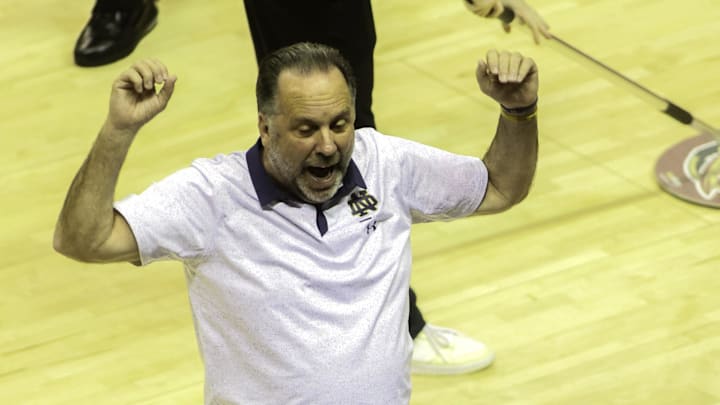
[
  {"x": 173, "y": 218},
  {"x": 438, "y": 185}
]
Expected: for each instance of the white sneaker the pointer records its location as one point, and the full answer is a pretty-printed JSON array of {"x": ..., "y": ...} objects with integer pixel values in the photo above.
[{"x": 446, "y": 351}]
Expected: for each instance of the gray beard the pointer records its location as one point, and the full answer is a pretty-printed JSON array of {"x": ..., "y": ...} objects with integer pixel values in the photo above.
[{"x": 296, "y": 183}]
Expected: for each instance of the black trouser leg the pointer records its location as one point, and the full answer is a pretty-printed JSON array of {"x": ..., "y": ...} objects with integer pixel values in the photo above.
[
  {"x": 345, "y": 25},
  {"x": 416, "y": 321}
]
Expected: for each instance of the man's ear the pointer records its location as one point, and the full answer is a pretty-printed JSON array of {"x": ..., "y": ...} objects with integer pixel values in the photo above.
[{"x": 263, "y": 128}]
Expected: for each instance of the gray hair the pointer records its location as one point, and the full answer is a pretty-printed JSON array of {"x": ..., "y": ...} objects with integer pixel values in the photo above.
[{"x": 303, "y": 57}]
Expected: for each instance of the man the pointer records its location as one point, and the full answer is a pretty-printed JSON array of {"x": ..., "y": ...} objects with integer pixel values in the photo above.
[
  {"x": 116, "y": 27},
  {"x": 297, "y": 251}
]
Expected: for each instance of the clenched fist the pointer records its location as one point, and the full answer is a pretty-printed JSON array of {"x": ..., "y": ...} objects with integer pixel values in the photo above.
[
  {"x": 134, "y": 99},
  {"x": 511, "y": 79}
]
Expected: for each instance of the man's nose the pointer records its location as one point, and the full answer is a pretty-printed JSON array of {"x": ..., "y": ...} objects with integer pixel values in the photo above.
[{"x": 326, "y": 145}]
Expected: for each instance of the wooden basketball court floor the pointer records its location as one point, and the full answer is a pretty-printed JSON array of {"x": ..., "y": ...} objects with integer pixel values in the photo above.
[{"x": 598, "y": 289}]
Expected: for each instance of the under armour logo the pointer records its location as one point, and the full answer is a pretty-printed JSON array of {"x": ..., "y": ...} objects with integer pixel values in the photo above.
[
  {"x": 361, "y": 203},
  {"x": 371, "y": 227}
]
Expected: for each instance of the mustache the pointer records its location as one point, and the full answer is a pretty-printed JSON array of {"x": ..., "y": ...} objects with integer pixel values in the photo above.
[{"x": 325, "y": 161}]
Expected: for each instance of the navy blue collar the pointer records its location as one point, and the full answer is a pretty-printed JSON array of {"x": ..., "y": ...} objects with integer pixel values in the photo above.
[{"x": 269, "y": 192}]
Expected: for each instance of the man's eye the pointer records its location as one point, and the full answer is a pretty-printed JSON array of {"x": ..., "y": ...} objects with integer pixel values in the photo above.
[
  {"x": 340, "y": 125},
  {"x": 305, "y": 130}
]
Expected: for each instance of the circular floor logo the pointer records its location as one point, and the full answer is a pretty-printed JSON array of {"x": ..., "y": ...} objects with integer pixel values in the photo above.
[{"x": 691, "y": 170}]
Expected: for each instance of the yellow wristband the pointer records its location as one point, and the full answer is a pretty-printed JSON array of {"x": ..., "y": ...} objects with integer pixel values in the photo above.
[
  {"x": 520, "y": 114},
  {"x": 511, "y": 117}
]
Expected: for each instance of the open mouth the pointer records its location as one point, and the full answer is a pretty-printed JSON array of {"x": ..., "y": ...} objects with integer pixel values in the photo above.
[{"x": 321, "y": 172}]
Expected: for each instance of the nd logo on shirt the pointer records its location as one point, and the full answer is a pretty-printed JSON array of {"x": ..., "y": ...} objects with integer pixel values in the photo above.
[{"x": 361, "y": 203}]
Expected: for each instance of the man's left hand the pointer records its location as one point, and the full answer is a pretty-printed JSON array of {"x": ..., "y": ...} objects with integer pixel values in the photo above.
[{"x": 509, "y": 78}]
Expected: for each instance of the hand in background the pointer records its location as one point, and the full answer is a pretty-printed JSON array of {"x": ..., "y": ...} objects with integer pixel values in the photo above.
[{"x": 523, "y": 13}]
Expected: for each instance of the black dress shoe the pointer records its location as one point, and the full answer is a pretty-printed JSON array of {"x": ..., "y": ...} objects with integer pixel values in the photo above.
[{"x": 113, "y": 34}]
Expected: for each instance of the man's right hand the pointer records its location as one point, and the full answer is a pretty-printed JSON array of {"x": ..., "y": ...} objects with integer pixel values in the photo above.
[{"x": 134, "y": 100}]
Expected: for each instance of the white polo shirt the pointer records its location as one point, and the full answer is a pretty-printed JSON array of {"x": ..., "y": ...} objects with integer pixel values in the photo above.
[{"x": 298, "y": 304}]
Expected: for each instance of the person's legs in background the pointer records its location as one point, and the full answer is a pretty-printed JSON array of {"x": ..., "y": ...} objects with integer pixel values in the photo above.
[
  {"x": 114, "y": 29},
  {"x": 346, "y": 26},
  {"x": 350, "y": 27}
]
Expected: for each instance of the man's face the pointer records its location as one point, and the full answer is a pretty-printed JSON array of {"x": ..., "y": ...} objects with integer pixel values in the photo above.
[{"x": 308, "y": 140}]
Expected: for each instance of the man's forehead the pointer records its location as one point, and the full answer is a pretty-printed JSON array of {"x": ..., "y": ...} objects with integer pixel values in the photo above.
[
  {"x": 298, "y": 91},
  {"x": 295, "y": 80}
]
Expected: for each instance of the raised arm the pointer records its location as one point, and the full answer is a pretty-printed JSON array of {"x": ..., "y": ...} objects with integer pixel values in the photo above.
[
  {"x": 88, "y": 228},
  {"x": 512, "y": 80}
]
